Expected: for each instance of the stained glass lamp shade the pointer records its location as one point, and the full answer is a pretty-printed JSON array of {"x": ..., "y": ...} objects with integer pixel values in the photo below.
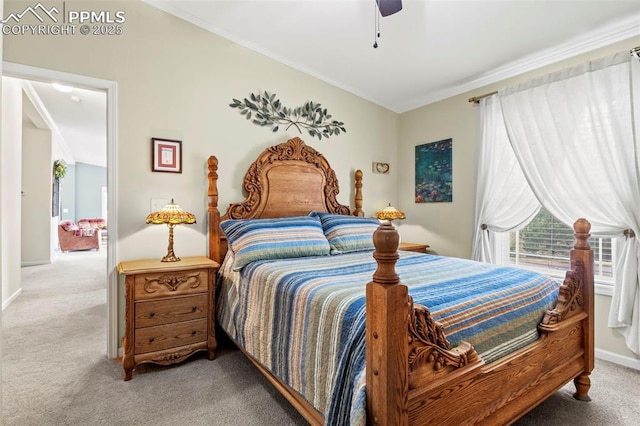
[{"x": 390, "y": 213}]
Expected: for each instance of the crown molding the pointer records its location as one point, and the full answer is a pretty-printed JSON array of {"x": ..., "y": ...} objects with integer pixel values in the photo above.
[{"x": 619, "y": 31}]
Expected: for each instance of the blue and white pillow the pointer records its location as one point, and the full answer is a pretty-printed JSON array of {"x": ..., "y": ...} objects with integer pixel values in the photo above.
[
  {"x": 281, "y": 238},
  {"x": 347, "y": 234}
]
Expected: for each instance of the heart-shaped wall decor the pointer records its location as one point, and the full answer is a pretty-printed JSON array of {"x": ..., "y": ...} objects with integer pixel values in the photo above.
[{"x": 382, "y": 168}]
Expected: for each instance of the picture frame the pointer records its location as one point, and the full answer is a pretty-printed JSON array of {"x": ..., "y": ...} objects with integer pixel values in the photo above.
[
  {"x": 381, "y": 168},
  {"x": 166, "y": 155},
  {"x": 434, "y": 172}
]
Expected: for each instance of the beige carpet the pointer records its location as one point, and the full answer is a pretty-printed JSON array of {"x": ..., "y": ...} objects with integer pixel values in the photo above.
[{"x": 55, "y": 371}]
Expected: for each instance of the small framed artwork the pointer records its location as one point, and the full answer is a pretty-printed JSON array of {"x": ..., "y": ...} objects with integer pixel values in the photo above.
[
  {"x": 381, "y": 168},
  {"x": 166, "y": 155}
]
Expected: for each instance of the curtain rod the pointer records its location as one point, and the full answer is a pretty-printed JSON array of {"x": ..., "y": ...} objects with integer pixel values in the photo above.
[{"x": 476, "y": 99}]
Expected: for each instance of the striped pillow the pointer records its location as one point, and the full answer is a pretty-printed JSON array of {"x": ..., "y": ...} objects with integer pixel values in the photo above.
[
  {"x": 264, "y": 239},
  {"x": 348, "y": 234}
]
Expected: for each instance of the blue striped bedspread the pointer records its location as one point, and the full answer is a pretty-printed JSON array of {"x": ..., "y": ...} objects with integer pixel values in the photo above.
[{"x": 304, "y": 318}]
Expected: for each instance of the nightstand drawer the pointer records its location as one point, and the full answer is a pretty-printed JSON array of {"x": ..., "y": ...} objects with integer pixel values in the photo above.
[
  {"x": 170, "y": 283},
  {"x": 157, "y": 312},
  {"x": 167, "y": 336}
]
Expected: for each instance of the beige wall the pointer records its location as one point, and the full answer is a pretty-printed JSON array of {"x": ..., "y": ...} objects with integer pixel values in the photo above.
[
  {"x": 608, "y": 339},
  {"x": 175, "y": 81},
  {"x": 447, "y": 227},
  {"x": 10, "y": 172},
  {"x": 37, "y": 196}
]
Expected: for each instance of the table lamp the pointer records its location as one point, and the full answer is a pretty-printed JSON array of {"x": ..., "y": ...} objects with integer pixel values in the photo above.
[
  {"x": 390, "y": 213},
  {"x": 172, "y": 215}
]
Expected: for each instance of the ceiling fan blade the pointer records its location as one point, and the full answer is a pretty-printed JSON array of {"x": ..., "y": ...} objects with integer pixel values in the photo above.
[{"x": 389, "y": 7}]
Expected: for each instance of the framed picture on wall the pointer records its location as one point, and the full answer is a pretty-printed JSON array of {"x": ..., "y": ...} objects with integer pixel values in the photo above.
[
  {"x": 434, "y": 172},
  {"x": 166, "y": 155}
]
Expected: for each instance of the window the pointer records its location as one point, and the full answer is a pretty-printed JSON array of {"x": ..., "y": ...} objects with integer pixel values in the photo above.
[{"x": 544, "y": 245}]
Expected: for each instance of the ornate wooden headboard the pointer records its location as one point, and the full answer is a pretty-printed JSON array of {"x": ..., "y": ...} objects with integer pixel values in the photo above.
[{"x": 288, "y": 179}]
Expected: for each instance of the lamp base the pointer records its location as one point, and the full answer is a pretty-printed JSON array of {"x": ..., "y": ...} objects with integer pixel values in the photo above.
[{"x": 170, "y": 257}]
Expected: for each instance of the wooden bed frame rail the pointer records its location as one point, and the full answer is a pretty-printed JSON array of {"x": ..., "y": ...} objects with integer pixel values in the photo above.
[{"x": 413, "y": 375}]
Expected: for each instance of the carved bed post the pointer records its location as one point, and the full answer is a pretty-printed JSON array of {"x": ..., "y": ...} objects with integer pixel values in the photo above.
[
  {"x": 358, "y": 197},
  {"x": 213, "y": 212},
  {"x": 582, "y": 260},
  {"x": 387, "y": 335}
]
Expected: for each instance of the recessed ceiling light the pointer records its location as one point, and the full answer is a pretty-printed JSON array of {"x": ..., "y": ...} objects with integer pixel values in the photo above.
[{"x": 62, "y": 88}]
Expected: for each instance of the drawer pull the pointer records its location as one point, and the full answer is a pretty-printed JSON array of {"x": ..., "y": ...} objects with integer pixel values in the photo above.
[
  {"x": 193, "y": 333},
  {"x": 152, "y": 339},
  {"x": 194, "y": 308},
  {"x": 152, "y": 314}
]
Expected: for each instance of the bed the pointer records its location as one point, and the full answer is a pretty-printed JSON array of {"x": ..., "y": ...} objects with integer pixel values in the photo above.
[{"x": 419, "y": 366}]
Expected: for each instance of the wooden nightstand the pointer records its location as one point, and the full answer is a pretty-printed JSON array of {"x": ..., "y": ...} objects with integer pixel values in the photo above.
[
  {"x": 418, "y": 248},
  {"x": 169, "y": 311}
]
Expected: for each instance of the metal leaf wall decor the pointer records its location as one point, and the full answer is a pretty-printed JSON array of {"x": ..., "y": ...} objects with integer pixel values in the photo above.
[{"x": 265, "y": 109}]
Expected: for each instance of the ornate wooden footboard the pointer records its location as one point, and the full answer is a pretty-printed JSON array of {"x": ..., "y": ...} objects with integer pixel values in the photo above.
[{"x": 413, "y": 375}]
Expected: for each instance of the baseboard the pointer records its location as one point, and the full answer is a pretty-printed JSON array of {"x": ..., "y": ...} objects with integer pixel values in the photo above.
[
  {"x": 35, "y": 263},
  {"x": 11, "y": 299},
  {"x": 625, "y": 361}
]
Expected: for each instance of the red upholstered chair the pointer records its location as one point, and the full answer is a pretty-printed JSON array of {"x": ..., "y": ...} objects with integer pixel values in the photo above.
[{"x": 71, "y": 237}]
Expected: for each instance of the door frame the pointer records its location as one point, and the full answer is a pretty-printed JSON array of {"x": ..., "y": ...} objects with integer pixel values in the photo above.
[{"x": 27, "y": 72}]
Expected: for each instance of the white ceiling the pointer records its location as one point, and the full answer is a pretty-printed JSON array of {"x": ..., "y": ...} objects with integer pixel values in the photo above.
[
  {"x": 428, "y": 51},
  {"x": 81, "y": 118}
]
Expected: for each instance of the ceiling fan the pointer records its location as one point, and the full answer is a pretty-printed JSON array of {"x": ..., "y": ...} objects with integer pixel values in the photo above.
[
  {"x": 389, "y": 7},
  {"x": 386, "y": 8}
]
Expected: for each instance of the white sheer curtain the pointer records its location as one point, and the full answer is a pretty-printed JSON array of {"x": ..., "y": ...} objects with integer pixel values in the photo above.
[
  {"x": 504, "y": 202},
  {"x": 573, "y": 135}
]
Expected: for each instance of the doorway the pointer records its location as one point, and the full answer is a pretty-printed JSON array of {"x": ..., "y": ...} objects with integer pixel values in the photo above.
[{"x": 109, "y": 88}]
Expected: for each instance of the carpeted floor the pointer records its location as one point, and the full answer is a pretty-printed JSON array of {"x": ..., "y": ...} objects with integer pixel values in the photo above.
[{"x": 55, "y": 372}]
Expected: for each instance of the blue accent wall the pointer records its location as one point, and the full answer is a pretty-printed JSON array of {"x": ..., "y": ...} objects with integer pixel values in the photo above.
[{"x": 89, "y": 180}]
